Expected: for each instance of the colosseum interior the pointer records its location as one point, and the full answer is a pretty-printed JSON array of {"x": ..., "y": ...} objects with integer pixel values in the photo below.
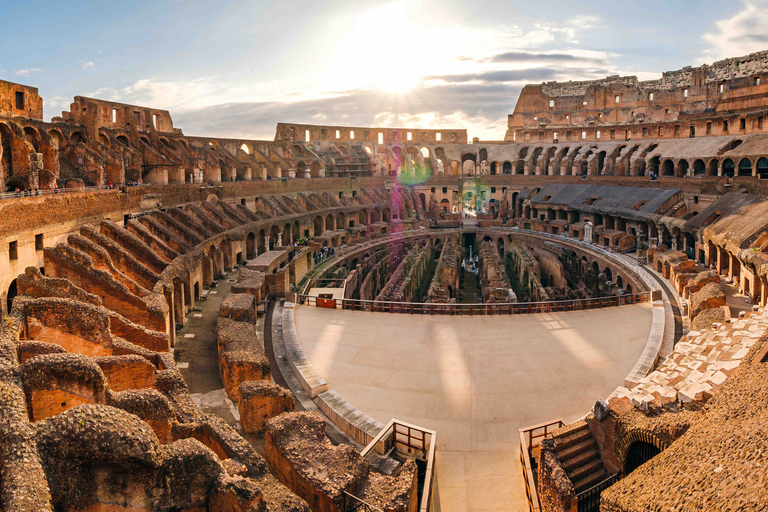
[{"x": 198, "y": 323}]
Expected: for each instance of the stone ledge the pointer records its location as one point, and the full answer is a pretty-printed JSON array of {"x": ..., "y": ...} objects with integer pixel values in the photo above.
[{"x": 312, "y": 383}]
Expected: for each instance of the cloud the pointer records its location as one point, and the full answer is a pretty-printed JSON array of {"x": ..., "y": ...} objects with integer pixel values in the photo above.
[
  {"x": 25, "y": 72},
  {"x": 741, "y": 34},
  {"x": 560, "y": 58},
  {"x": 480, "y": 108},
  {"x": 87, "y": 64}
]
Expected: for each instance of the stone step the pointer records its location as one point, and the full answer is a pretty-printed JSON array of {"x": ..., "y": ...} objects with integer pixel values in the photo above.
[
  {"x": 581, "y": 459},
  {"x": 580, "y": 472},
  {"x": 571, "y": 438},
  {"x": 590, "y": 481},
  {"x": 572, "y": 451}
]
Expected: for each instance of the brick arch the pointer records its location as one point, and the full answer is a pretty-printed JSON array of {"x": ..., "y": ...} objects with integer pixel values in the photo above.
[{"x": 634, "y": 436}]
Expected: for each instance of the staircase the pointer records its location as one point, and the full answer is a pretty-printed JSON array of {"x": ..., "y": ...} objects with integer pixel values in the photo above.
[
  {"x": 577, "y": 451},
  {"x": 468, "y": 288}
]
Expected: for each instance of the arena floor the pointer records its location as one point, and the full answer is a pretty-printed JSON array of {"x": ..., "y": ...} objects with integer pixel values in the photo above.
[{"x": 475, "y": 380}]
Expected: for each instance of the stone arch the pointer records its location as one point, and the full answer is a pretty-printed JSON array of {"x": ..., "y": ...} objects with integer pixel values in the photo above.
[
  {"x": 507, "y": 168},
  {"x": 32, "y": 137},
  {"x": 287, "y": 234},
  {"x": 262, "y": 242},
  {"x": 12, "y": 292},
  {"x": 226, "y": 250},
  {"x": 387, "y": 215},
  {"x": 728, "y": 167},
  {"x": 745, "y": 167},
  {"x": 682, "y": 168},
  {"x": 77, "y": 137},
  {"x": 762, "y": 167},
  {"x": 329, "y": 222},
  {"x": 318, "y": 226},
  {"x": 668, "y": 168},
  {"x": 712, "y": 167},
  {"x": 7, "y": 163},
  {"x": 250, "y": 246},
  {"x": 274, "y": 234},
  {"x": 296, "y": 230},
  {"x": 698, "y": 167},
  {"x": 636, "y": 436}
]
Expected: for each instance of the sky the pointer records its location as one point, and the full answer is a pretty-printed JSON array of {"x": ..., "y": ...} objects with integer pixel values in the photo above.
[{"x": 235, "y": 68}]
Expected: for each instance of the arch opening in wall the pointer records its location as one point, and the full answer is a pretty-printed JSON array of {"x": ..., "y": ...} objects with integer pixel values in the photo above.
[
  {"x": 682, "y": 168},
  {"x": 77, "y": 138},
  {"x": 653, "y": 167},
  {"x": 699, "y": 168},
  {"x": 668, "y": 168},
  {"x": 507, "y": 168},
  {"x": 245, "y": 149},
  {"x": 745, "y": 167},
  {"x": 712, "y": 167},
  {"x": 728, "y": 167},
  {"x": 638, "y": 454},
  {"x": 12, "y": 292},
  {"x": 762, "y": 168}
]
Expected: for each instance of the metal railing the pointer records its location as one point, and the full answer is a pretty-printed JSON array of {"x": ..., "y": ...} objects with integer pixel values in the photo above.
[
  {"x": 514, "y": 308},
  {"x": 61, "y": 191},
  {"x": 352, "y": 504},
  {"x": 589, "y": 500},
  {"x": 413, "y": 442},
  {"x": 530, "y": 438}
]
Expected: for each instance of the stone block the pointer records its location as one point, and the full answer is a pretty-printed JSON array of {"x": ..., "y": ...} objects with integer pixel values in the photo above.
[{"x": 258, "y": 401}]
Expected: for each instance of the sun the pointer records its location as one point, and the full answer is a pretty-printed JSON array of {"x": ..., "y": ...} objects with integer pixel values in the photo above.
[{"x": 377, "y": 50}]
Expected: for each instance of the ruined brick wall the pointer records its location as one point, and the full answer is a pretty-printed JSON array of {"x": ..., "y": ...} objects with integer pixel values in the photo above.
[{"x": 20, "y": 100}]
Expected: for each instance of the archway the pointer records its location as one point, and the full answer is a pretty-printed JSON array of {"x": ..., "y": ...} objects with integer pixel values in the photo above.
[
  {"x": 262, "y": 242},
  {"x": 668, "y": 168},
  {"x": 745, "y": 167},
  {"x": 12, "y": 292},
  {"x": 728, "y": 167},
  {"x": 712, "y": 167},
  {"x": 250, "y": 246},
  {"x": 698, "y": 168},
  {"x": 318, "y": 226},
  {"x": 762, "y": 168},
  {"x": 507, "y": 168},
  {"x": 274, "y": 234},
  {"x": 638, "y": 454}
]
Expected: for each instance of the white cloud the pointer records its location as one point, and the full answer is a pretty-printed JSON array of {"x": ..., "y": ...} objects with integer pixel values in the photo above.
[
  {"x": 87, "y": 64},
  {"x": 25, "y": 72},
  {"x": 741, "y": 34}
]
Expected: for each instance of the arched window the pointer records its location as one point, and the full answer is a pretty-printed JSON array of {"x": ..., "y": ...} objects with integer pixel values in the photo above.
[
  {"x": 762, "y": 168},
  {"x": 728, "y": 167},
  {"x": 745, "y": 167}
]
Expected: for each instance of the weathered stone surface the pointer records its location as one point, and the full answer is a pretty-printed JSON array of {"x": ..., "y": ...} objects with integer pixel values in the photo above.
[{"x": 261, "y": 400}]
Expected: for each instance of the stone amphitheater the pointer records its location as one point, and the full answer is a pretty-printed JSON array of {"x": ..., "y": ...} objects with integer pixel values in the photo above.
[{"x": 199, "y": 323}]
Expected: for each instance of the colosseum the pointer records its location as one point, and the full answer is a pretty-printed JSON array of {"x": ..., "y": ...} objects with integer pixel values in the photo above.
[{"x": 220, "y": 324}]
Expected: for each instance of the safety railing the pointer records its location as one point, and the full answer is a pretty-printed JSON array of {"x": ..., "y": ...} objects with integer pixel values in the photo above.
[
  {"x": 412, "y": 442},
  {"x": 530, "y": 439},
  {"x": 589, "y": 499},
  {"x": 354, "y": 504},
  {"x": 514, "y": 308}
]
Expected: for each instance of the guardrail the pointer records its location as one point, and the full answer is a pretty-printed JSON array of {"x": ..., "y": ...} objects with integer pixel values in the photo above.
[
  {"x": 515, "y": 308},
  {"x": 412, "y": 442},
  {"x": 530, "y": 438},
  {"x": 589, "y": 500}
]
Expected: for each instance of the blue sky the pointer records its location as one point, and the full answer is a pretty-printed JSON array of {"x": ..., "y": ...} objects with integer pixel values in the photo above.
[{"x": 236, "y": 68}]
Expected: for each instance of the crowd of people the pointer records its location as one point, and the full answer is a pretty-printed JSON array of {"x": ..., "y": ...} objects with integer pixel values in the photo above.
[
  {"x": 325, "y": 253},
  {"x": 26, "y": 192}
]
